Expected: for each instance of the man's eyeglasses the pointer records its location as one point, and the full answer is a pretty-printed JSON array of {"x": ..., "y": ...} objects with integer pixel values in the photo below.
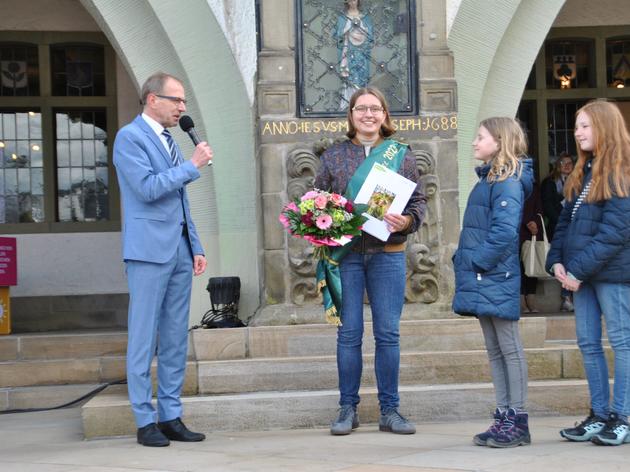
[
  {"x": 177, "y": 100},
  {"x": 362, "y": 109}
]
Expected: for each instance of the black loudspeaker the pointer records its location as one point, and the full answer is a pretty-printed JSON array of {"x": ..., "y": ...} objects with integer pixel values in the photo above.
[{"x": 225, "y": 293}]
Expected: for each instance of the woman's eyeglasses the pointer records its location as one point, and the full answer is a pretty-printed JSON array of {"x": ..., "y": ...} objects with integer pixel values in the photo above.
[{"x": 362, "y": 109}]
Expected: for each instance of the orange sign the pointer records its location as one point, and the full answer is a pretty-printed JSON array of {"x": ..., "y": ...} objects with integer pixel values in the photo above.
[{"x": 5, "y": 311}]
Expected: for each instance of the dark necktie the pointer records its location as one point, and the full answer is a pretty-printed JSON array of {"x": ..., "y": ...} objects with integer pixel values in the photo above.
[{"x": 171, "y": 147}]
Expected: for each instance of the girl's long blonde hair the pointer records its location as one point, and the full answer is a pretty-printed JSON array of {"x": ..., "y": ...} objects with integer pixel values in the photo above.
[
  {"x": 611, "y": 150},
  {"x": 512, "y": 146}
]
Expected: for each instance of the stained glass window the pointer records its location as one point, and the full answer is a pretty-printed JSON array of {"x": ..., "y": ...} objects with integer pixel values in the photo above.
[
  {"x": 19, "y": 70},
  {"x": 345, "y": 45},
  {"x": 77, "y": 70}
]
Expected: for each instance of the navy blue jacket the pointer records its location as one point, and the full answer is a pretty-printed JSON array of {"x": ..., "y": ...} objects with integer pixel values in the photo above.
[
  {"x": 487, "y": 267},
  {"x": 595, "y": 246}
]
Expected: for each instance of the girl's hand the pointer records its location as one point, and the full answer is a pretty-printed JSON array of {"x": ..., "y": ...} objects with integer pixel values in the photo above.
[
  {"x": 396, "y": 222},
  {"x": 571, "y": 284},
  {"x": 559, "y": 272}
]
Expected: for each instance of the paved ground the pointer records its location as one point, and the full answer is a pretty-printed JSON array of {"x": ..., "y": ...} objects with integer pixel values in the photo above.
[{"x": 52, "y": 442}]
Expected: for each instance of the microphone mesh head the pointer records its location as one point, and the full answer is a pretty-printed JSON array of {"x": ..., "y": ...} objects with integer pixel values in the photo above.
[{"x": 186, "y": 122}]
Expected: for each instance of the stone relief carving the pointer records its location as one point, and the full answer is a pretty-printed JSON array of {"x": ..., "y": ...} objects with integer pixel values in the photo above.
[
  {"x": 302, "y": 165},
  {"x": 422, "y": 248}
]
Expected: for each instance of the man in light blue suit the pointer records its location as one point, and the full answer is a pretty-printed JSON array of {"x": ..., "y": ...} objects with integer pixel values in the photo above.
[{"x": 161, "y": 250}]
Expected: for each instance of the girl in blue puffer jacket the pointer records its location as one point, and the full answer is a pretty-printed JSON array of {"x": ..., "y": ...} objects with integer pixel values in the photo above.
[
  {"x": 487, "y": 271},
  {"x": 590, "y": 256}
]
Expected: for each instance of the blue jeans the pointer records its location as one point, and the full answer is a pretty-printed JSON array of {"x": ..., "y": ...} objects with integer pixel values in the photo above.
[
  {"x": 613, "y": 299},
  {"x": 383, "y": 275}
]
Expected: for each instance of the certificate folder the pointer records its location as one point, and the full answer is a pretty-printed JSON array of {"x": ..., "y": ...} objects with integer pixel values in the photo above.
[{"x": 384, "y": 191}]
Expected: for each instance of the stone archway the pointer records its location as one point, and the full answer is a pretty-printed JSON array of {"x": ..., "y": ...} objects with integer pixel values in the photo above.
[
  {"x": 492, "y": 63},
  {"x": 189, "y": 43}
]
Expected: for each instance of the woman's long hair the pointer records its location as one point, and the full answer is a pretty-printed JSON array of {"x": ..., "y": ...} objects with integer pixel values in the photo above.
[
  {"x": 387, "y": 128},
  {"x": 611, "y": 153},
  {"x": 512, "y": 146}
]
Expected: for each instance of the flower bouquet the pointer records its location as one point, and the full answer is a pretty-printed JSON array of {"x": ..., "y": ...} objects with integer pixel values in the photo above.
[
  {"x": 328, "y": 221},
  {"x": 323, "y": 219}
]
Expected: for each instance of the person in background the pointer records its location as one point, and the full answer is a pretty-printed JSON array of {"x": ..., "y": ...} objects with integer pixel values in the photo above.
[
  {"x": 552, "y": 195},
  {"x": 590, "y": 256},
  {"x": 373, "y": 265},
  {"x": 487, "y": 272},
  {"x": 530, "y": 226}
]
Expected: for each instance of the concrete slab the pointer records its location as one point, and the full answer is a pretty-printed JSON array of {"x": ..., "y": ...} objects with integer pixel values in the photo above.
[{"x": 51, "y": 442}]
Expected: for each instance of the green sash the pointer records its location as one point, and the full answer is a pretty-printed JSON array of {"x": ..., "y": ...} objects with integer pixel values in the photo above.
[{"x": 389, "y": 154}]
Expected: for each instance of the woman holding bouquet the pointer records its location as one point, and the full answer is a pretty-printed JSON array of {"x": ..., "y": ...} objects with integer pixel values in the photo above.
[{"x": 371, "y": 264}]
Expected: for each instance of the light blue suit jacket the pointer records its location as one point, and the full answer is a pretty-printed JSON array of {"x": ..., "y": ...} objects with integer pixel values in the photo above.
[{"x": 153, "y": 194}]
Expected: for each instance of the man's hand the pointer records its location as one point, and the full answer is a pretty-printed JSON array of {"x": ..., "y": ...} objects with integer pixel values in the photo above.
[
  {"x": 199, "y": 264},
  {"x": 202, "y": 155}
]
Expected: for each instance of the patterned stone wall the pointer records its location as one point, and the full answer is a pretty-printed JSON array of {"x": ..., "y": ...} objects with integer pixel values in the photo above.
[{"x": 289, "y": 150}]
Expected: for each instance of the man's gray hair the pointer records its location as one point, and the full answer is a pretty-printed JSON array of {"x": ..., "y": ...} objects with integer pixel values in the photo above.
[{"x": 155, "y": 84}]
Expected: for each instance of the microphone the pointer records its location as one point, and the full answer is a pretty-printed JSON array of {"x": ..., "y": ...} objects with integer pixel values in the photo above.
[{"x": 187, "y": 125}]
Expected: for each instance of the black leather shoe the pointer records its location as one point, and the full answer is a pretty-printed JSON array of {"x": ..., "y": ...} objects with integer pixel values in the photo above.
[
  {"x": 151, "y": 436},
  {"x": 175, "y": 430}
]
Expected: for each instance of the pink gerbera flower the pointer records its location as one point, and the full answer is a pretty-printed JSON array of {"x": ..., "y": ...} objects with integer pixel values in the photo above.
[{"x": 323, "y": 221}]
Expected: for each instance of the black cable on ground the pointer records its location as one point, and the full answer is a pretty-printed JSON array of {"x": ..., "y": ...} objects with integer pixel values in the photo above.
[
  {"x": 220, "y": 318},
  {"x": 90, "y": 394}
]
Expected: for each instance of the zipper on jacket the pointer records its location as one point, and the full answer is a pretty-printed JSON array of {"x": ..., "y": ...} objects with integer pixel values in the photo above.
[{"x": 478, "y": 276}]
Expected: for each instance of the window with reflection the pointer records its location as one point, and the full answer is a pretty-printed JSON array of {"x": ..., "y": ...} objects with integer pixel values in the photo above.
[
  {"x": 82, "y": 165},
  {"x": 19, "y": 70},
  {"x": 618, "y": 62},
  {"x": 570, "y": 63},
  {"x": 55, "y": 161},
  {"x": 344, "y": 45},
  {"x": 77, "y": 70},
  {"x": 21, "y": 167},
  {"x": 561, "y": 126}
]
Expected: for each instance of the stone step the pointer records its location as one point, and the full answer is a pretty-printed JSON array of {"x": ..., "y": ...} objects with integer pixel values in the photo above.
[
  {"x": 457, "y": 333},
  {"x": 48, "y": 346},
  {"x": 98, "y": 370},
  {"x": 557, "y": 360},
  {"x": 110, "y": 415},
  {"x": 311, "y": 373},
  {"x": 560, "y": 326},
  {"x": 48, "y": 396}
]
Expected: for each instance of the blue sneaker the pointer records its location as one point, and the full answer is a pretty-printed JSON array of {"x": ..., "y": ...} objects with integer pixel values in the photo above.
[
  {"x": 616, "y": 432},
  {"x": 347, "y": 420},
  {"x": 585, "y": 430},
  {"x": 393, "y": 422}
]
